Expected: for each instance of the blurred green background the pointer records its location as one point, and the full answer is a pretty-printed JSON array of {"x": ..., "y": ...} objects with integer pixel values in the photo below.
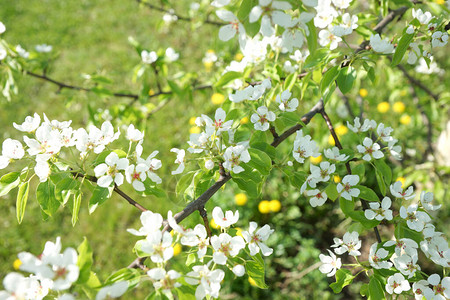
[{"x": 91, "y": 37}]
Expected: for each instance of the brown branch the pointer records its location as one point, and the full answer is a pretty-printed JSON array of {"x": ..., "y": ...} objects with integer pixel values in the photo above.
[
  {"x": 347, "y": 164},
  {"x": 204, "y": 215},
  {"x": 426, "y": 121},
  {"x": 305, "y": 120},
  {"x": 179, "y": 17},
  {"x": 116, "y": 189},
  {"x": 418, "y": 83},
  {"x": 200, "y": 202},
  {"x": 62, "y": 85}
]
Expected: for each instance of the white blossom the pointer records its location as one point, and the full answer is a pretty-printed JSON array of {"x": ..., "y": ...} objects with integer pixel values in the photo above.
[
  {"x": 11, "y": 149},
  {"x": 397, "y": 284},
  {"x": 398, "y": 192},
  {"x": 151, "y": 222},
  {"x": 114, "y": 290},
  {"x": 350, "y": 243},
  {"x": 208, "y": 281},
  {"x": 262, "y": 117},
  {"x": 109, "y": 172},
  {"x": 379, "y": 212},
  {"x": 370, "y": 150},
  {"x": 224, "y": 220},
  {"x": 234, "y": 156},
  {"x": 415, "y": 219},
  {"x": 148, "y": 57},
  {"x": 256, "y": 238},
  {"x": 376, "y": 257},
  {"x": 226, "y": 246},
  {"x": 330, "y": 264},
  {"x": 345, "y": 188},
  {"x": 285, "y": 103},
  {"x": 30, "y": 124},
  {"x": 180, "y": 160},
  {"x": 381, "y": 46}
]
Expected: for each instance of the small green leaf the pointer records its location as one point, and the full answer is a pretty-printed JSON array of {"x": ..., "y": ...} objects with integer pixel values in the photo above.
[
  {"x": 332, "y": 192},
  {"x": 76, "y": 207},
  {"x": 328, "y": 78},
  {"x": 99, "y": 196},
  {"x": 290, "y": 81},
  {"x": 22, "y": 197},
  {"x": 343, "y": 278},
  {"x": 184, "y": 182},
  {"x": 228, "y": 77},
  {"x": 191, "y": 259},
  {"x": 364, "y": 290},
  {"x": 260, "y": 161},
  {"x": 380, "y": 182},
  {"x": 175, "y": 88},
  {"x": 245, "y": 8},
  {"x": 384, "y": 169},
  {"x": 126, "y": 274},
  {"x": 359, "y": 170},
  {"x": 346, "y": 79},
  {"x": 402, "y": 46},
  {"x": 45, "y": 195},
  {"x": 367, "y": 194},
  {"x": 316, "y": 57},
  {"x": 9, "y": 182},
  {"x": 84, "y": 262},
  {"x": 248, "y": 186},
  {"x": 256, "y": 271},
  {"x": 376, "y": 291}
]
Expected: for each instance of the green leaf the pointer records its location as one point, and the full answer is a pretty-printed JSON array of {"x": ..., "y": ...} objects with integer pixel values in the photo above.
[
  {"x": 348, "y": 208},
  {"x": 184, "y": 182},
  {"x": 248, "y": 186},
  {"x": 364, "y": 290},
  {"x": 402, "y": 231},
  {"x": 9, "y": 182},
  {"x": 174, "y": 87},
  {"x": 85, "y": 261},
  {"x": 343, "y": 278},
  {"x": 186, "y": 292},
  {"x": 245, "y": 8},
  {"x": 90, "y": 288},
  {"x": 99, "y": 196},
  {"x": 402, "y": 46},
  {"x": 126, "y": 274},
  {"x": 228, "y": 77},
  {"x": 328, "y": 78},
  {"x": 298, "y": 179},
  {"x": 102, "y": 92},
  {"x": 191, "y": 259},
  {"x": 346, "y": 79},
  {"x": 359, "y": 170},
  {"x": 45, "y": 195},
  {"x": 260, "y": 161},
  {"x": 76, "y": 207},
  {"x": 332, "y": 192},
  {"x": 384, "y": 169},
  {"x": 290, "y": 81},
  {"x": 256, "y": 271},
  {"x": 376, "y": 291},
  {"x": 316, "y": 57},
  {"x": 380, "y": 182},
  {"x": 367, "y": 194},
  {"x": 22, "y": 197}
]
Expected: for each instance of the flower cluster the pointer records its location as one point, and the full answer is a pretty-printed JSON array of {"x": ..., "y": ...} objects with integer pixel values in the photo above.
[
  {"x": 207, "y": 275},
  {"x": 45, "y": 141},
  {"x": 400, "y": 254},
  {"x": 51, "y": 272}
]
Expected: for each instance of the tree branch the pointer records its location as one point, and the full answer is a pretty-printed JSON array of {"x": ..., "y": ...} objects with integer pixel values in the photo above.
[
  {"x": 179, "y": 17},
  {"x": 347, "y": 164},
  {"x": 200, "y": 202},
  {"x": 418, "y": 83},
  {"x": 116, "y": 189},
  {"x": 62, "y": 85}
]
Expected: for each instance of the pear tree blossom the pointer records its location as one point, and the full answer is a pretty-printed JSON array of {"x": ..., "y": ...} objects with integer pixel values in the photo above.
[
  {"x": 30, "y": 124},
  {"x": 234, "y": 156},
  {"x": 304, "y": 147},
  {"x": 163, "y": 280},
  {"x": 227, "y": 32},
  {"x": 398, "y": 192},
  {"x": 330, "y": 264},
  {"x": 318, "y": 198},
  {"x": 426, "y": 198},
  {"x": 255, "y": 239},
  {"x": 345, "y": 188},
  {"x": 397, "y": 284},
  {"x": 285, "y": 103},
  {"x": 381, "y": 46},
  {"x": 109, "y": 172},
  {"x": 415, "y": 219},
  {"x": 224, "y": 220},
  {"x": 208, "y": 281},
  {"x": 379, "y": 212},
  {"x": 148, "y": 57},
  {"x": 136, "y": 175},
  {"x": 226, "y": 246},
  {"x": 350, "y": 243},
  {"x": 180, "y": 160},
  {"x": 370, "y": 150},
  {"x": 262, "y": 117},
  {"x": 377, "y": 256},
  {"x": 11, "y": 149},
  {"x": 114, "y": 290}
]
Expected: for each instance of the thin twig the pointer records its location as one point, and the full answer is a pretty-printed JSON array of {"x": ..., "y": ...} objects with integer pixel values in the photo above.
[
  {"x": 204, "y": 215},
  {"x": 426, "y": 121},
  {"x": 418, "y": 83},
  {"x": 364, "y": 203},
  {"x": 179, "y": 17},
  {"x": 62, "y": 85},
  {"x": 116, "y": 189},
  {"x": 224, "y": 177}
]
